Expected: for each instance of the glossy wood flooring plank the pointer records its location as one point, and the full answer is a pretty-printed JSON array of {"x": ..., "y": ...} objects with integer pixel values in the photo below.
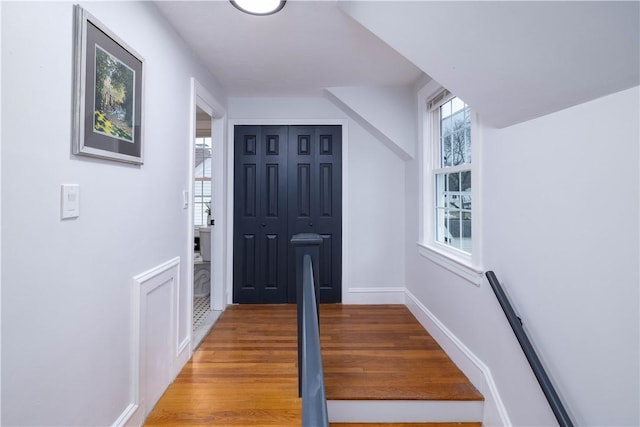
[
  {"x": 244, "y": 373},
  {"x": 381, "y": 352}
]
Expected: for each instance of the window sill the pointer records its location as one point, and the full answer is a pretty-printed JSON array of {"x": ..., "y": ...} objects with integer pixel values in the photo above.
[{"x": 456, "y": 265}]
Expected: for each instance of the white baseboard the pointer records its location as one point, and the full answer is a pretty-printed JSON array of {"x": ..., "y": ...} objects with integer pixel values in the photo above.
[
  {"x": 127, "y": 417},
  {"x": 183, "y": 354},
  {"x": 386, "y": 295},
  {"x": 183, "y": 346},
  {"x": 495, "y": 413}
]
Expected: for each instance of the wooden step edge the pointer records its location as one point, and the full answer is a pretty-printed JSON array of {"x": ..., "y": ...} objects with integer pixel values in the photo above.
[{"x": 409, "y": 399}]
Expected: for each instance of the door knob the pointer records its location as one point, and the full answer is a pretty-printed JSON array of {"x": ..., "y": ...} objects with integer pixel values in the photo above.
[
  {"x": 264, "y": 224},
  {"x": 310, "y": 224}
]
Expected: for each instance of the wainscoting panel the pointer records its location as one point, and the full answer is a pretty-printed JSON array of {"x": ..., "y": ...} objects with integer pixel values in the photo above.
[{"x": 154, "y": 334}]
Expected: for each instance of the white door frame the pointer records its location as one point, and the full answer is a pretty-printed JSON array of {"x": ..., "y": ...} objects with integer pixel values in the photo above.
[
  {"x": 202, "y": 98},
  {"x": 345, "y": 192}
]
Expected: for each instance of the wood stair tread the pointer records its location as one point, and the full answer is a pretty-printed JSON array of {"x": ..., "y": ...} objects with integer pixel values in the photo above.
[
  {"x": 381, "y": 352},
  {"x": 244, "y": 372}
]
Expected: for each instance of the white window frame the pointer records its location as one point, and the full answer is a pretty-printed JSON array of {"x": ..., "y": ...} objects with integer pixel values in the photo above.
[
  {"x": 200, "y": 181},
  {"x": 465, "y": 265}
]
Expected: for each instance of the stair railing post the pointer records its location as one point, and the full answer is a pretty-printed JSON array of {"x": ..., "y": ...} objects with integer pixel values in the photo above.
[{"x": 305, "y": 244}]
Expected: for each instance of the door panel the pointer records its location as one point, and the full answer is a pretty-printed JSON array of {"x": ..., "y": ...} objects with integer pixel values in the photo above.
[
  {"x": 260, "y": 214},
  {"x": 287, "y": 181},
  {"x": 302, "y": 185},
  {"x": 250, "y": 194},
  {"x": 326, "y": 189},
  {"x": 315, "y": 200}
]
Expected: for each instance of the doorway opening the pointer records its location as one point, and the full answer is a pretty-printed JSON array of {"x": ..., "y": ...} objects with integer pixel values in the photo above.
[
  {"x": 205, "y": 296},
  {"x": 203, "y": 316}
]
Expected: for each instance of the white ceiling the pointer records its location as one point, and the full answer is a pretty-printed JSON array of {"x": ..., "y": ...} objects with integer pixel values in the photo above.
[
  {"x": 306, "y": 47},
  {"x": 547, "y": 55},
  {"x": 514, "y": 60}
]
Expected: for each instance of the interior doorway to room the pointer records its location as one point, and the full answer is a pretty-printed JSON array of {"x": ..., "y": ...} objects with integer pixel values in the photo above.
[
  {"x": 203, "y": 316},
  {"x": 287, "y": 180}
]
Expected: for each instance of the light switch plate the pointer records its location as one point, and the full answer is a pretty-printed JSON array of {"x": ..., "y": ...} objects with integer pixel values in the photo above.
[{"x": 70, "y": 201}]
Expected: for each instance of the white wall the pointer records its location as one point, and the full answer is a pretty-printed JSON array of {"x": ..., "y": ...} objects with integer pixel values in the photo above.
[
  {"x": 572, "y": 266},
  {"x": 387, "y": 109},
  {"x": 561, "y": 232},
  {"x": 543, "y": 52},
  {"x": 375, "y": 186},
  {"x": 66, "y": 285},
  {"x": 0, "y": 225},
  {"x": 560, "y": 206}
]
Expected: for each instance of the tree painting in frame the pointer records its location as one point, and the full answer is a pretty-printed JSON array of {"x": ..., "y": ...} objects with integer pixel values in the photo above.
[{"x": 108, "y": 88}]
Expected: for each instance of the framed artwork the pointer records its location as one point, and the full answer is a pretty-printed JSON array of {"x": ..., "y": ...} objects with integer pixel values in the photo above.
[{"x": 108, "y": 93}]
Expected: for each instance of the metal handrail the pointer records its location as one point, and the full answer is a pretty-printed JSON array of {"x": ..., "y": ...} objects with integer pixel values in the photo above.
[
  {"x": 516, "y": 324},
  {"x": 314, "y": 399}
]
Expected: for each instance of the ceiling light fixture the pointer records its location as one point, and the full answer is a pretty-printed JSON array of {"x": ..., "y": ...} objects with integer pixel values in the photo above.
[{"x": 259, "y": 7}]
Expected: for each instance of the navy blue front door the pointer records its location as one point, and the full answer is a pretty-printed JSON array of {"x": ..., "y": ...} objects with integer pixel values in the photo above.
[{"x": 287, "y": 180}]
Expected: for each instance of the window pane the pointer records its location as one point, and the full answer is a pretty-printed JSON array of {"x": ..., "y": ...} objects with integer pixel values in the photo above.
[
  {"x": 453, "y": 202},
  {"x": 458, "y": 230},
  {"x": 466, "y": 202},
  {"x": 465, "y": 240},
  {"x": 441, "y": 190},
  {"x": 445, "y": 110},
  {"x": 203, "y": 150},
  {"x": 459, "y": 121},
  {"x": 458, "y": 148},
  {"x": 465, "y": 181},
  {"x": 446, "y": 151},
  {"x": 457, "y": 104},
  {"x": 454, "y": 181},
  {"x": 441, "y": 226},
  {"x": 453, "y": 210},
  {"x": 202, "y": 184},
  {"x": 198, "y": 214},
  {"x": 445, "y": 125},
  {"x": 467, "y": 145},
  {"x": 455, "y": 133}
]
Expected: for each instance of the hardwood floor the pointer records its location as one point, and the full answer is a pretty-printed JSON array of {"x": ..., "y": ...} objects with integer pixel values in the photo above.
[
  {"x": 381, "y": 352},
  {"x": 244, "y": 373}
]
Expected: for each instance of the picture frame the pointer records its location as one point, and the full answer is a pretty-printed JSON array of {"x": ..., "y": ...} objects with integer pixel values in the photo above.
[{"x": 107, "y": 95}]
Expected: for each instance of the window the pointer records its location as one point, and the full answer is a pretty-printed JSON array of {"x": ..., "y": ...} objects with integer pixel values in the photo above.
[
  {"x": 202, "y": 181},
  {"x": 449, "y": 226},
  {"x": 452, "y": 173}
]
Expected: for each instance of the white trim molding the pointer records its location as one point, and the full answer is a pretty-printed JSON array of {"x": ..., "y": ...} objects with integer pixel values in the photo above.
[
  {"x": 126, "y": 416},
  {"x": 495, "y": 413},
  {"x": 202, "y": 98},
  {"x": 451, "y": 263},
  {"x": 465, "y": 265},
  {"x": 182, "y": 346},
  {"x": 345, "y": 190},
  {"x": 386, "y": 295},
  {"x": 144, "y": 284}
]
